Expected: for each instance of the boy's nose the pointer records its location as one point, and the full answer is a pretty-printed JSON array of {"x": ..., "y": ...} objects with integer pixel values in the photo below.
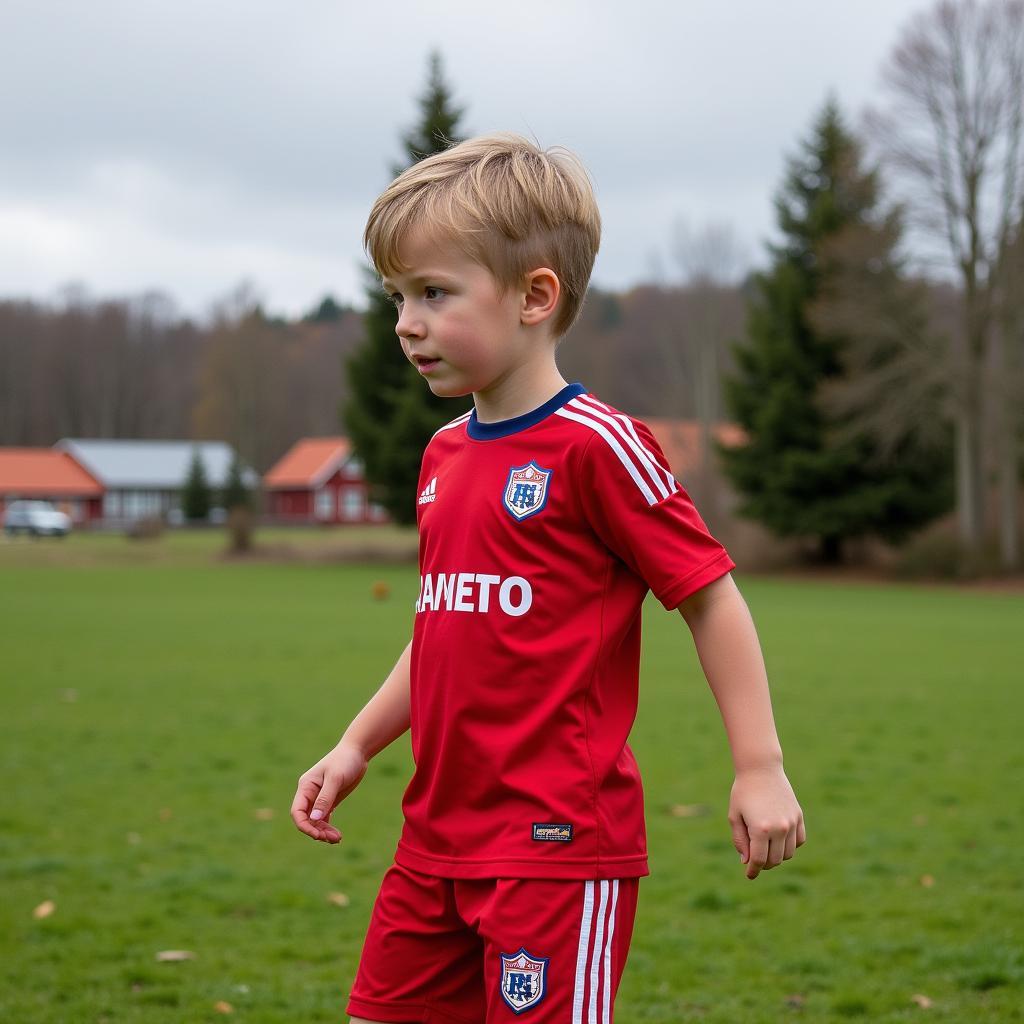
[{"x": 408, "y": 326}]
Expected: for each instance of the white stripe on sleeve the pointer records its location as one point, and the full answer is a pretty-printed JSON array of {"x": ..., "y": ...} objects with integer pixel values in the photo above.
[
  {"x": 581, "y": 954},
  {"x": 458, "y": 421},
  {"x": 673, "y": 484},
  {"x": 647, "y": 459},
  {"x": 615, "y": 447}
]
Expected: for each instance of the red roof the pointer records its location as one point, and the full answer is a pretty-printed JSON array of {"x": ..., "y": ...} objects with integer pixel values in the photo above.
[
  {"x": 43, "y": 473},
  {"x": 308, "y": 463},
  {"x": 680, "y": 441}
]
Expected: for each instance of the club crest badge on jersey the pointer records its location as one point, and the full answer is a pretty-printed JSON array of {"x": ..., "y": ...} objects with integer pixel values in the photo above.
[
  {"x": 523, "y": 979},
  {"x": 526, "y": 491}
]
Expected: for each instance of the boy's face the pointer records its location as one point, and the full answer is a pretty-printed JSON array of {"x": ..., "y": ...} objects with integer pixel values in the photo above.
[{"x": 455, "y": 325}]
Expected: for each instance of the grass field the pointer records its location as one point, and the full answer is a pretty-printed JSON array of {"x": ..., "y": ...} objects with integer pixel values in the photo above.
[{"x": 156, "y": 717}]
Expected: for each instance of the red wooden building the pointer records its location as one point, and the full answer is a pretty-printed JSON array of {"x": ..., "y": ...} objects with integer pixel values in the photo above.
[
  {"x": 48, "y": 475},
  {"x": 319, "y": 480}
]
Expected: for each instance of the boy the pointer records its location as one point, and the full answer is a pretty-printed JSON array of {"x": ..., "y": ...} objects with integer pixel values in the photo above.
[{"x": 544, "y": 518}]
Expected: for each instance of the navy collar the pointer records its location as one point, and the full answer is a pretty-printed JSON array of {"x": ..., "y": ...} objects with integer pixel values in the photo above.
[{"x": 502, "y": 428}]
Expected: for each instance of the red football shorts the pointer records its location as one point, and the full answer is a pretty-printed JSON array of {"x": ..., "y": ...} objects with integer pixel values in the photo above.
[{"x": 459, "y": 951}]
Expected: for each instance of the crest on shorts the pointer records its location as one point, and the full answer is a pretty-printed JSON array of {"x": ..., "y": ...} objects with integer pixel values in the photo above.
[
  {"x": 526, "y": 490},
  {"x": 523, "y": 979}
]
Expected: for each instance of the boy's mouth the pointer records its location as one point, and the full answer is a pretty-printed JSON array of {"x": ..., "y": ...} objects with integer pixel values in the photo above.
[{"x": 425, "y": 362}]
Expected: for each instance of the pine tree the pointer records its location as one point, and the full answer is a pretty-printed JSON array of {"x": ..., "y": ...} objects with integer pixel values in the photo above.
[
  {"x": 327, "y": 312},
  {"x": 800, "y": 473},
  {"x": 392, "y": 412},
  {"x": 235, "y": 494},
  {"x": 195, "y": 495}
]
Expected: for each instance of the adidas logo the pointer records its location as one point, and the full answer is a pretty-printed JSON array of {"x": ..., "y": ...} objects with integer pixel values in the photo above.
[{"x": 429, "y": 493}]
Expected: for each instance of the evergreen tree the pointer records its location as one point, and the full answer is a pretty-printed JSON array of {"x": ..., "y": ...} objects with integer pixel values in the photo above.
[
  {"x": 392, "y": 413},
  {"x": 195, "y": 496},
  {"x": 437, "y": 128},
  {"x": 800, "y": 473},
  {"x": 236, "y": 494},
  {"x": 327, "y": 312}
]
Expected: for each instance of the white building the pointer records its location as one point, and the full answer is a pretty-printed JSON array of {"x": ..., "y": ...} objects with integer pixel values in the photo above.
[{"x": 146, "y": 478}]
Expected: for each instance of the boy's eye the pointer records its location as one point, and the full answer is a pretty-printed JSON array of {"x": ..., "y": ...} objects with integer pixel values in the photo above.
[
  {"x": 395, "y": 297},
  {"x": 433, "y": 293}
]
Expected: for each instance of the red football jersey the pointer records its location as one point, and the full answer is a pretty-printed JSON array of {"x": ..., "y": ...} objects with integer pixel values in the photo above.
[{"x": 539, "y": 539}]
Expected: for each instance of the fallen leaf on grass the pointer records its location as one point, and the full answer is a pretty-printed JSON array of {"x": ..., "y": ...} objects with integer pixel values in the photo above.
[
  {"x": 45, "y": 909},
  {"x": 166, "y": 813},
  {"x": 69, "y": 696},
  {"x": 688, "y": 810},
  {"x": 795, "y": 1000},
  {"x": 922, "y": 1000},
  {"x": 920, "y": 820},
  {"x": 263, "y": 813},
  {"x": 380, "y": 590},
  {"x": 223, "y": 1007},
  {"x": 927, "y": 881},
  {"x": 175, "y": 955},
  {"x": 339, "y": 899},
  {"x": 134, "y": 838}
]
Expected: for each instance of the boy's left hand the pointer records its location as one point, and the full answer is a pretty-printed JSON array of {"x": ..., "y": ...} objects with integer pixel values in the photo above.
[{"x": 767, "y": 823}]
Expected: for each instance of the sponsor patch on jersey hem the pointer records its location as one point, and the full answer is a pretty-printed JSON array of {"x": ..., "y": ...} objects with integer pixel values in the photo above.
[{"x": 550, "y": 832}]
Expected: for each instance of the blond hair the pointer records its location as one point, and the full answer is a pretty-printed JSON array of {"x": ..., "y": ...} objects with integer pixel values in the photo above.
[{"x": 511, "y": 206}]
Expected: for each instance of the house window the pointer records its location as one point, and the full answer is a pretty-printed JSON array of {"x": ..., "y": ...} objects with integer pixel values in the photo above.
[
  {"x": 324, "y": 504},
  {"x": 351, "y": 503}
]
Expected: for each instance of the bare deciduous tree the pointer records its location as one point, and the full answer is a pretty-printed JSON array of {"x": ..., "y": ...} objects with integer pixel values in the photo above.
[
  {"x": 952, "y": 131},
  {"x": 713, "y": 263}
]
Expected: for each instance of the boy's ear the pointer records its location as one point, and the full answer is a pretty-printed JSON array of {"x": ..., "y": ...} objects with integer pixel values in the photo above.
[{"x": 541, "y": 291}]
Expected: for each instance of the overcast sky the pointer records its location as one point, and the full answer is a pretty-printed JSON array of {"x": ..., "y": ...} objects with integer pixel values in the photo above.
[{"x": 185, "y": 146}]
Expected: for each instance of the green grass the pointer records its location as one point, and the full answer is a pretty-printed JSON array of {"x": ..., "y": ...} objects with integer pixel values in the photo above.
[
  {"x": 149, "y": 711},
  {"x": 202, "y": 545}
]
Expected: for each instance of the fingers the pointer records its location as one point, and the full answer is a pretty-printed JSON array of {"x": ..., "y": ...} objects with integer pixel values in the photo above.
[
  {"x": 740, "y": 839},
  {"x": 309, "y": 797},
  {"x": 760, "y": 846},
  {"x": 790, "y": 844},
  {"x": 769, "y": 847}
]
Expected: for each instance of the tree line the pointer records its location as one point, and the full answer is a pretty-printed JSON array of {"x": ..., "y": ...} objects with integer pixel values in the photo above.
[
  {"x": 876, "y": 363},
  {"x": 132, "y": 368}
]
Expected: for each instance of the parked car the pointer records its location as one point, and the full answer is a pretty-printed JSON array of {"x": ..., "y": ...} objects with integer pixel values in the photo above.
[{"x": 36, "y": 518}]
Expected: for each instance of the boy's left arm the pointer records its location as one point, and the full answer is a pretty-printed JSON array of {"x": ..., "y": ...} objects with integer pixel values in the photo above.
[{"x": 767, "y": 823}]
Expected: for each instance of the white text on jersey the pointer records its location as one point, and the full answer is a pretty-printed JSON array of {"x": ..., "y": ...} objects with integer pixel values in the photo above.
[{"x": 471, "y": 592}]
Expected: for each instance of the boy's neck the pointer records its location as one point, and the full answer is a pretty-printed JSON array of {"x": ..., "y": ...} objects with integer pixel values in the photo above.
[{"x": 522, "y": 391}]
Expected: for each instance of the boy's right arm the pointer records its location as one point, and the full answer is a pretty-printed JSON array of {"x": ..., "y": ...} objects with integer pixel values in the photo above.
[{"x": 335, "y": 775}]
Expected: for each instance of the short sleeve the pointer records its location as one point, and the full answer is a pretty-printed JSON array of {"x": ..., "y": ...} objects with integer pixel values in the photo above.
[{"x": 642, "y": 513}]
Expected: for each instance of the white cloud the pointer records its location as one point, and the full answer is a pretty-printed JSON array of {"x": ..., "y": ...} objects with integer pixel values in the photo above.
[{"x": 185, "y": 145}]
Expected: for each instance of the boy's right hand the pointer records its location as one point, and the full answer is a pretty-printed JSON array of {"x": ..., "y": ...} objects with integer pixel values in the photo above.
[{"x": 323, "y": 787}]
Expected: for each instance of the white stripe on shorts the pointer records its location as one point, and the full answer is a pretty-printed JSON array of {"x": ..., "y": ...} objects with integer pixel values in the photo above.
[
  {"x": 596, "y": 955},
  {"x": 593, "y": 987},
  {"x": 606, "y": 1015},
  {"x": 581, "y": 953}
]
